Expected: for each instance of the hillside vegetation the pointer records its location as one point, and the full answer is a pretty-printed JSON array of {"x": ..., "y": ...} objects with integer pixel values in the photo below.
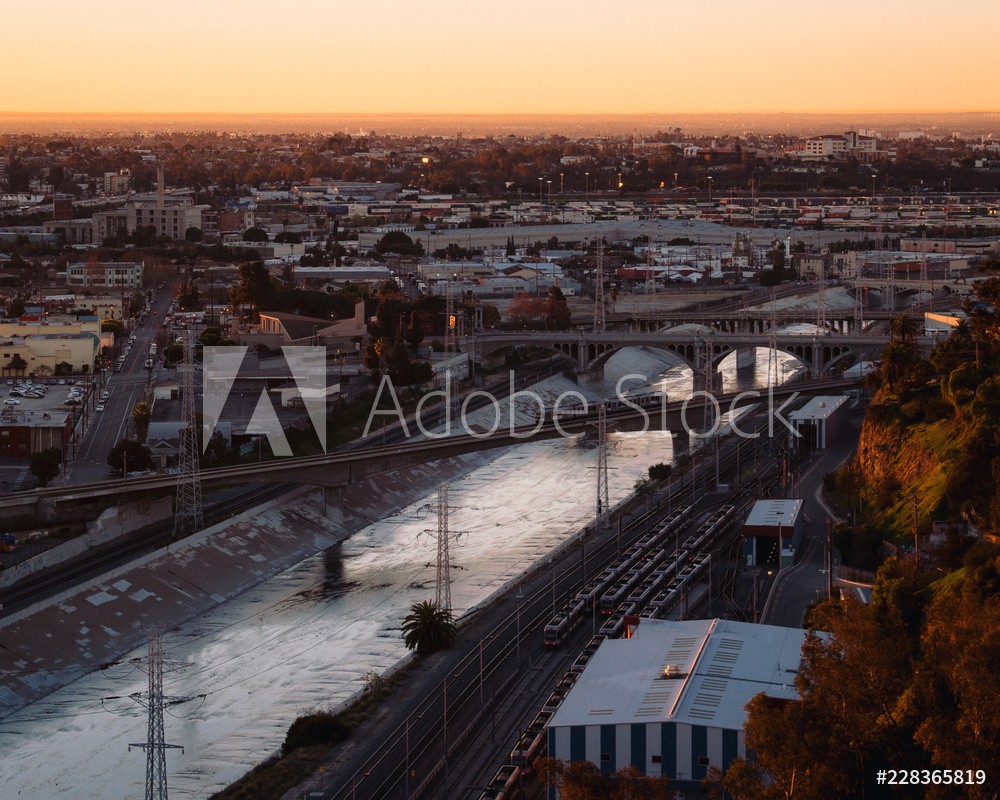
[{"x": 909, "y": 681}]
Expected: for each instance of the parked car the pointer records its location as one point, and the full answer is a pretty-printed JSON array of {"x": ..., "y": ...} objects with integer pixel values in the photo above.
[
  {"x": 11, "y": 402},
  {"x": 100, "y": 407}
]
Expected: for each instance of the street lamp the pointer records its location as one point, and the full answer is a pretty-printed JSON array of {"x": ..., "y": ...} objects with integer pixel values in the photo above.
[
  {"x": 710, "y": 179},
  {"x": 586, "y": 185},
  {"x": 540, "y": 182}
]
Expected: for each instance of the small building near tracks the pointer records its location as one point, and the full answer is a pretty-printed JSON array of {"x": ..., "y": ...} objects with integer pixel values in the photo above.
[
  {"x": 820, "y": 421},
  {"x": 772, "y": 524}
]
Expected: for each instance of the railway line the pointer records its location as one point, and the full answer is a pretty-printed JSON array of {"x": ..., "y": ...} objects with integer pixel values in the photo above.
[{"x": 442, "y": 746}]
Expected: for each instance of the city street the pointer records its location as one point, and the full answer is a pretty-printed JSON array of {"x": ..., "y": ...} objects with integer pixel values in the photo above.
[
  {"x": 106, "y": 428},
  {"x": 796, "y": 588}
]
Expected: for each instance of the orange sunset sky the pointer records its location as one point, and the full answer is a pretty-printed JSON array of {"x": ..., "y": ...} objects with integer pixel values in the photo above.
[{"x": 509, "y": 56}]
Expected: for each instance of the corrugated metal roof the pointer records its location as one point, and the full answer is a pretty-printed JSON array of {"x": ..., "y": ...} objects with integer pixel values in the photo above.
[
  {"x": 719, "y": 666},
  {"x": 819, "y": 407},
  {"x": 768, "y": 513}
]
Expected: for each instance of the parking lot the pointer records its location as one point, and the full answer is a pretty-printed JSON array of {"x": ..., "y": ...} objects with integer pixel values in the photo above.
[{"x": 18, "y": 393}]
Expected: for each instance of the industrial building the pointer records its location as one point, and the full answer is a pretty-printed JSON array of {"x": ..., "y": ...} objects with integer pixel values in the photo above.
[
  {"x": 820, "y": 421},
  {"x": 670, "y": 699},
  {"x": 772, "y": 524},
  {"x": 23, "y": 433},
  {"x": 49, "y": 354},
  {"x": 943, "y": 323}
]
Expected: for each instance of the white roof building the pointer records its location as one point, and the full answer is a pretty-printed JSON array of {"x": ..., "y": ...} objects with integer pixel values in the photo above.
[{"x": 670, "y": 700}]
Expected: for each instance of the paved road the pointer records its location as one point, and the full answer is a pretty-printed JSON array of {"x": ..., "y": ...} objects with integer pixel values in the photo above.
[
  {"x": 796, "y": 587},
  {"x": 127, "y": 387}
]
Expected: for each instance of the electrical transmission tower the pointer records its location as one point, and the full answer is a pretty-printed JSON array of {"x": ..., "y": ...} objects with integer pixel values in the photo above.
[
  {"x": 154, "y": 746},
  {"x": 821, "y": 296},
  {"x": 442, "y": 588},
  {"x": 885, "y": 265},
  {"x": 772, "y": 344},
  {"x": 188, "y": 513},
  {"x": 603, "y": 500},
  {"x": 599, "y": 318},
  {"x": 925, "y": 284},
  {"x": 707, "y": 356},
  {"x": 650, "y": 287}
]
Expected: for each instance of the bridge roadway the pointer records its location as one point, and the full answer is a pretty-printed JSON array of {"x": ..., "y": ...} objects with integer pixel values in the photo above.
[
  {"x": 756, "y": 320},
  {"x": 333, "y": 471},
  {"x": 591, "y": 349}
]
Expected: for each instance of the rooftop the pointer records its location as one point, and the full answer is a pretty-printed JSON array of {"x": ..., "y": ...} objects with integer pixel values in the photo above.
[
  {"x": 770, "y": 512},
  {"x": 720, "y": 665},
  {"x": 818, "y": 408}
]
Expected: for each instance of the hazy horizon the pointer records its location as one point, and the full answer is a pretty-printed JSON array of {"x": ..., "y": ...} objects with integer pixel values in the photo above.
[{"x": 974, "y": 123}]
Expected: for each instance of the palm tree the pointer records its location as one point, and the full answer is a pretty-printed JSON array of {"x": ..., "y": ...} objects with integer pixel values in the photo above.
[
  {"x": 898, "y": 358},
  {"x": 904, "y": 327},
  {"x": 428, "y": 628}
]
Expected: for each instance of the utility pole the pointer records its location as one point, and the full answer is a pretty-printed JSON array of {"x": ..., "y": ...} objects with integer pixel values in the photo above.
[
  {"x": 155, "y": 746},
  {"x": 188, "y": 510},
  {"x": 829, "y": 558}
]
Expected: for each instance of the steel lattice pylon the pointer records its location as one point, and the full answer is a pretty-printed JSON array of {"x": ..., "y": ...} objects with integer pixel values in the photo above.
[
  {"x": 772, "y": 344},
  {"x": 155, "y": 746},
  {"x": 821, "y": 298},
  {"x": 442, "y": 589},
  {"x": 709, "y": 367},
  {"x": 603, "y": 502},
  {"x": 188, "y": 514},
  {"x": 599, "y": 310},
  {"x": 925, "y": 284},
  {"x": 650, "y": 287}
]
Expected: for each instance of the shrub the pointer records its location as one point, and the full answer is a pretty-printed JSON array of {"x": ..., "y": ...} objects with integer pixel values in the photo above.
[{"x": 320, "y": 727}]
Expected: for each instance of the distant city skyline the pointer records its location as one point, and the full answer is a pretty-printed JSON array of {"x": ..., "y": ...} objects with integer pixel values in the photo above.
[{"x": 519, "y": 57}]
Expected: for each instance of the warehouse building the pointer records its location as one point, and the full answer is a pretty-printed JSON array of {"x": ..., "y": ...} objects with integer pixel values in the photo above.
[
  {"x": 772, "y": 524},
  {"x": 670, "y": 700},
  {"x": 820, "y": 421}
]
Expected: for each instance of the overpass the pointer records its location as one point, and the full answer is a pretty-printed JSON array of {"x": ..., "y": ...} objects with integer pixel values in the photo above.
[
  {"x": 333, "y": 471},
  {"x": 697, "y": 349}
]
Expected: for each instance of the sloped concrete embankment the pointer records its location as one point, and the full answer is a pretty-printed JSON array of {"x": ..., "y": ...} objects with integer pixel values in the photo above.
[{"x": 51, "y": 644}]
